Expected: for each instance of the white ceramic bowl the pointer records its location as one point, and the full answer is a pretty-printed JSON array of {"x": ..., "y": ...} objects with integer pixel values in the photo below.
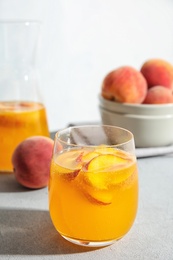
[{"x": 151, "y": 125}]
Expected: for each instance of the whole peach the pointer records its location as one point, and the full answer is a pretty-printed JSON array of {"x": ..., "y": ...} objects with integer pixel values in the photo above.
[
  {"x": 31, "y": 161},
  {"x": 158, "y": 95},
  {"x": 158, "y": 72},
  {"x": 124, "y": 84}
]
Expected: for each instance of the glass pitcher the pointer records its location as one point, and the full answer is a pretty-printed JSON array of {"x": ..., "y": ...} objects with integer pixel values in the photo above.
[{"x": 22, "y": 112}]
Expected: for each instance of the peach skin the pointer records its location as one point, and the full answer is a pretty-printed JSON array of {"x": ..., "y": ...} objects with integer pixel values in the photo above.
[
  {"x": 158, "y": 95},
  {"x": 31, "y": 161},
  {"x": 124, "y": 84},
  {"x": 158, "y": 72}
]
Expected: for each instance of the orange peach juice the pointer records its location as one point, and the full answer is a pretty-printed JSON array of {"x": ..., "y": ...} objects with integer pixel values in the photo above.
[
  {"x": 93, "y": 193},
  {"x": 19, "y": 120}
]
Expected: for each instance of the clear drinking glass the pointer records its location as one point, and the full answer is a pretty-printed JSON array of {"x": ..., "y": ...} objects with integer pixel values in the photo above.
[
  {"x": 22, "y": 112},
  {"x": 93, "y": 188}
]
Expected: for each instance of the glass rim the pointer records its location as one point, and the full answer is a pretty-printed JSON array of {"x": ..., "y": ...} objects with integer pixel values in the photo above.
[{"x": 57, "y": 137}]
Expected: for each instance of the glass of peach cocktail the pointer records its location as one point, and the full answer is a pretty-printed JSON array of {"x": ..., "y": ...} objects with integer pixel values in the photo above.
[{"x": 93, "y": 188}]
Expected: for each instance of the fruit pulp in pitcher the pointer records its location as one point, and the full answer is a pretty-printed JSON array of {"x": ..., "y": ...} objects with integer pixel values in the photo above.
[
  {"x": 93, "y": 194},
  {"x": 19, "y": 120}
]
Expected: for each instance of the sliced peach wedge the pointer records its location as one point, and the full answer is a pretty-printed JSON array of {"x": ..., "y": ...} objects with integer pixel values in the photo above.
[
  {"x": 103, "y": 172},
  {"x": 98, "y": 196},
  {"x": 108, "y": 169},
  {"x": 69, "y": 164},
  {"x": 66, "y": 174},
  {"x": 103, "y": 162},
  {"x": 99, "y": 168},
  {"x": 104, "y": 149},
  {"x": 89, "y": 156}
]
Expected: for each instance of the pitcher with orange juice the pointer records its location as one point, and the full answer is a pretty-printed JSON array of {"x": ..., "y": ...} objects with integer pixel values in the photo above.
[
  {"x": 93, "y": 188},
  {"x": 22, "y": 112}
]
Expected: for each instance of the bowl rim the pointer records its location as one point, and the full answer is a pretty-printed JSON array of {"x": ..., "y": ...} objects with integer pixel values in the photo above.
[
  {"x": 156, "y": 106},
  {"x": 145, "y": 117},
  {"x": 138, "y": 109}
]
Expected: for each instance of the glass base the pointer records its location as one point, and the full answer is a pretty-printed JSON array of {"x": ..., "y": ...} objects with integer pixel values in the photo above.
[{"x": 90, "y": 243}]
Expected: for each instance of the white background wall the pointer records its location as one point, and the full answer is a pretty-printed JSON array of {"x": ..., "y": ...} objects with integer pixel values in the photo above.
[{"x": 82, "y": 40}]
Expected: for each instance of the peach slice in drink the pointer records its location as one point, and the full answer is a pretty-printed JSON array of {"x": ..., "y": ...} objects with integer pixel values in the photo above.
[
  {"x": 98, "y": 196},
  {"x": 99, "y": 168},
  {"x": 89, "y": 156},
  {"x": 103, "y": 162},
  {"x": 103, "y": 149},
  {"x": 69, "y": 164},
  {"x": 99, "y": 150},
  {"x": 103, "y": 172}
]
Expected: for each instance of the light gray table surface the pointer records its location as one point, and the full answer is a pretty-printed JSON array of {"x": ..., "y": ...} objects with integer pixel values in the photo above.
[{"x": 26, "y": 230}]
